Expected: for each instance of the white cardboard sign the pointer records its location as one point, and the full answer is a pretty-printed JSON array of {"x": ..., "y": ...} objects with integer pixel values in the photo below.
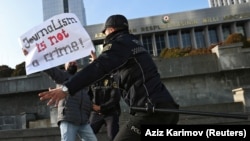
[{"x": 59, "y": 39}]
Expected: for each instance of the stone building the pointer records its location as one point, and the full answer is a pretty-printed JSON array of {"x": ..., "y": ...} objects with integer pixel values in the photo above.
[{"x": 217, "y": 82}]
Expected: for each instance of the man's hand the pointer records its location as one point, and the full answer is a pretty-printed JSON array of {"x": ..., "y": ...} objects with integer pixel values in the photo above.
[
  {"x": 25, "y": 52},
  {"x": 96, "y": 108},
  {"x": 93, "y": 56},
  {"x": 53, "y": 95}
]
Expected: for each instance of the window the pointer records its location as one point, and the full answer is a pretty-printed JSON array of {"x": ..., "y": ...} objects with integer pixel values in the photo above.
[
  {"x": 213, "y": 35},
  {"x": 173, "y": 39},
  {"x": 222, "y": 3},
  {"x": 240, "y": 28},
  {"x": 186, "y": 38},
  {"x": 244, "y": 1},
  {"x": 212, "y": 3},
  {"x": 226, "y": 31},
  {"x": 232, "y": 1},
  {"x": 160, "y": 42},
  {"x": 200, "y": 38},
  {"x": 147, "y": 43}
]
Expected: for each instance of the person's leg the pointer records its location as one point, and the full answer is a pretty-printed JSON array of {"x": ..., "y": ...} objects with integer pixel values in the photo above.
[
  {"x": 130, "y": 131},
  {"x": 86, "y": 133},
  {"x": 96, "y": 122},
  {"x": 171, "y": 118},
  {"x": 112, "y": 125},
  {"x": 68, "y": 131}
]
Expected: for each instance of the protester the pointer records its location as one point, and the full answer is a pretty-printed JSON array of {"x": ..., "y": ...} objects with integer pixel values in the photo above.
[
  {"x": 73, "y": 111},
  {"x": 105, "y": 96},
  {"x": 138, "y": 77}
]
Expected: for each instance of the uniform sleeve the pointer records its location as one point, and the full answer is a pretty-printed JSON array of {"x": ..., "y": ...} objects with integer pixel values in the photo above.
[
  {"x": 57, "y": 75},
  {"x": 111, "y": 59}
]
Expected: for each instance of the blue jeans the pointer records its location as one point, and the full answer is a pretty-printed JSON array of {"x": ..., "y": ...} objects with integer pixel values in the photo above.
[{"x": 69, "y": 132}]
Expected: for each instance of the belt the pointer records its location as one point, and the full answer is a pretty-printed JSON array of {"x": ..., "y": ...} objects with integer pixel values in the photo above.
[{"x": 101, "y": 87}]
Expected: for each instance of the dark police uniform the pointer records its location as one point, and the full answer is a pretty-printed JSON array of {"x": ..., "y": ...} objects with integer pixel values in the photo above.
[
  {"x": 105, "y": 93},
  {"x": 138, "y": 78}
]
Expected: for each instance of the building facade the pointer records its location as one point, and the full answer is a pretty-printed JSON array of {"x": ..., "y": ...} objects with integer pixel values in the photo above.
[
  {"x": 54, "y": 7},
  {"x": 197, "y": 29},
  {"x": 218, "y": 3},
  {"x": 204, "y": 79}
]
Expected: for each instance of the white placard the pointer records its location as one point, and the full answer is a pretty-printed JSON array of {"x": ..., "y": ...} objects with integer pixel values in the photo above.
[{"x": 59, "y": 39}]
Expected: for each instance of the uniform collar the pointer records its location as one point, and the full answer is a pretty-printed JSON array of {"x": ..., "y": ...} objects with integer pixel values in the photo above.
[{"x": 115, "y": 34}]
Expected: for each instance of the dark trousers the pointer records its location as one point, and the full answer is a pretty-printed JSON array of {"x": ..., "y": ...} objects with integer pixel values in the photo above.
[
  {"x": 131, "y": 130},
  {"x": 111, "y": 122}
]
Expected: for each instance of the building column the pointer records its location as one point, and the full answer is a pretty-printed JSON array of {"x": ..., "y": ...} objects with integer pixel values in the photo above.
[
  {"x": 233, "y": 27},
  {"x": 154, "y": 45},
  {"x": 180, "y": 39},
  {"x": 247, "y": 28},
  {"x": 167, "y": 40},
  {"x": 193, "y": 40},
  {"x": 220, "y": 33},
  {"x": 207, "y": 39}
]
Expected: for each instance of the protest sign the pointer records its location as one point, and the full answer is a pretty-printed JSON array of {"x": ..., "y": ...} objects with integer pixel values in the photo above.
[{"x": 57, "y": 40}]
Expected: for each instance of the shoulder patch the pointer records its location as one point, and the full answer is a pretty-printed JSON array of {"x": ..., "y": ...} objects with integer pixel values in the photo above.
[
  {"x": 115, "y": 85},
  {"x": 107, "y": 47},
  {"x": 105, "y": 83}
]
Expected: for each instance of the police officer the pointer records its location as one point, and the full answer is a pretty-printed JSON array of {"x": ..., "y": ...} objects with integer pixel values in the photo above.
[
  {"x": 105, "y": 96},
  {"x": 138, "y": 77}
]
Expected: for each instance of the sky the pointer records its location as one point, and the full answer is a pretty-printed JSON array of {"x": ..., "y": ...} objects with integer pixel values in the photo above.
[{"x": 19, "y": 16}]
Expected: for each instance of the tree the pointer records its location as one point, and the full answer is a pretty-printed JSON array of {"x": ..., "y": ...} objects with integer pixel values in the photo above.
[
  {"x": 5, "y": 71},
  {"x": 20, "y": 70}
]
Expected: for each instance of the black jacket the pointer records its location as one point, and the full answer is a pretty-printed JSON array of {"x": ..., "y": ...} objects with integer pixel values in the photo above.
[
  {"x": 106, "y": 94},
  {"x": 75, "y": 109},
  {"x": 139, "y": 77}
]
